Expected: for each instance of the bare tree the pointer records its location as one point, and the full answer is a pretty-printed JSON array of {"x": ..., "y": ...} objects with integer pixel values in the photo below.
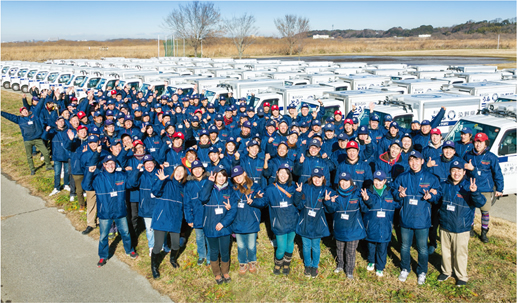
[
  {"x": 242, "y": 31},
  {"x": 194, "y": 22},
  {"x": 293, "y": 29}
]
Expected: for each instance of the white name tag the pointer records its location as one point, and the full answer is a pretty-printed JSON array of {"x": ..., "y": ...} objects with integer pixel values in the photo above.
[
  {"x": 118, "y": 169},
  {"x": 312, "y": 213},
  {"x": 412, "y": 202},
  {"x": 113, "y": 194},
  {"x": 205, "y": 164},
  {"x": 479, "y": 172},
  {"x": 450, "y": 207},
  {"x": 345, "y": 216},
  {"x": 152, "y": 150},
  {"x": 380, "y": 214},
  {"x": 283, "y": 204},
  {"x": 152, "y": 196},
  {"x": 30, "y": 122},
  {"x": 219, "y": 211},
  {"x": 241, "y": 205}
]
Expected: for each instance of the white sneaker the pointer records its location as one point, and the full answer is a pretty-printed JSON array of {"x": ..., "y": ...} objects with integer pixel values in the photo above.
[
  {"x": 71, "y": 198},
  {"x": 370, "y": 266},
  {"x": 403, "y": 275},
  {"x": 55, "y": 191},
  {"x": 421, "y": 278},
  {"x": 338, "y": 270},
  {"x": 66, "y": 187},
  {"x": 379, "y": 273}
]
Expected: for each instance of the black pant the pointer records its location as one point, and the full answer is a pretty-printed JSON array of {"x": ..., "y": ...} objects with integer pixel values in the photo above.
[
  {"x": 132, "y": 216},
  {"x": 160, "y": 237}
]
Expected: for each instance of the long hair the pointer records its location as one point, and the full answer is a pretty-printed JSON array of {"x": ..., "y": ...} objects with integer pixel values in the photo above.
[
  {"x": 247, "y": 189},
  {"x": 184, "y": 178},
  {"x": 288, "y": 182}
]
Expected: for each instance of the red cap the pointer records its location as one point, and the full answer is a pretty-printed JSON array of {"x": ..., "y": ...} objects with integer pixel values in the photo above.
[
  {"x": 198, "y": 111},
  {"x": 266, "y": 104},
  {"x": 275, "y": 107},
  {"x": 113, "y": 92},
  {"x": 80, "y": 127},
  {"x": 73, "y": 99},
  {"x": 435, "y": 131},
  {"x": 481, "y": 137},
  {"x": 81, "y": 115},
  {"x": 352, "y": 144},
  {"x": 179, "y": 135},
  {"x": 22, "y": 108},
  {"x": 136, "y": 142},
  {"x": 350, "y": 121},
  {"x": 338, "y": 113}
]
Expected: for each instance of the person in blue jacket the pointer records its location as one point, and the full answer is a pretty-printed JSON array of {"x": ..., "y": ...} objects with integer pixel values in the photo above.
[
  {"x": 312, "y": 227},
  {"x": 58, "y": 138},
  {"x": 313, "y": 159},
  {"x": 358, "y": 169},
  {"x": 484, "y": 166},
  {"x": 220, "y": 209},
  {"x": 391, "y": 162},
  {"x": 416, "y": 189},
  {"x": 348, "y": 227},
  {"x": 378, "y": 219},
  {"x": 167, "y": 215},
  {"x": 465, "y": 144},
  {"x": 253, "y": 163},
  {"x": 246, "y": 223},
  {"x": 459, "y": 200},
  {"x": 110, "y": 186},
  {"x": 278, "y": 197}
]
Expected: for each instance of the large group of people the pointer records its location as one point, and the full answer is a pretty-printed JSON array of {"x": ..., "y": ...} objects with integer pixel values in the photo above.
[{"x": 178, "y": 163}]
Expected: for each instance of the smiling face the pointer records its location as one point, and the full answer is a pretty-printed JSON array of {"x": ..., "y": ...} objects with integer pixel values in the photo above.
[
  {"x": 352, "y": 154},
  {"x": 465, "y": 137},
  {"x": 415, "y": 164},
  {"x": 379, "y": 183},
  {"x": 214, "y": 157},
  {"x": 448, "y": 152},
  {"x": 109, "y": 166},
  {"x": 283, "y": 175},
  {"x": 457, "y": 174},
  {"x": 313, "y": 150},
  {"x": 394, "y": 151},
  {"x": 479, "y": 145},
  {"x": 179, "y": 173},
  {"x": 240, "y": 179},
  {"x": 197, "y": 172},
  {"x": 345, "y": 184},
  {"x": 221, "y": 179},
  {"x": 253, "y": 150},
  {"x": 282, "y": 150},
  {"x": 317, "y": 181},
  {"x": 149, "y": 166}
]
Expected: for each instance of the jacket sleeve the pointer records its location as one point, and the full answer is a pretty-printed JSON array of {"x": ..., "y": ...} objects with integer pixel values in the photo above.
[
  {"x": 11, "y": 117},
  {"x": 498, "y": 177},
  {"x": 297, "y": 200},
  {"x": 89, "y": 179},
  {"x": 133, "y": 179},
  {"x": 394, "y": 189},
  {"x": 435, "y": 185},
  {"x": 478, "y": 199},
  {"x": 368, "y": 150},
  {"x": 37, "y": 110},
  {"x": 231, "y": 214},
  {"x": 158, "y": 188},
  {"x": 188, "y": 207},
  {"x": 437, "y": 119},
  {"x": 368, "y": 203},
  {"x": 206, "y": 191},
  {"x": 26, "y": 104},
  {"x": 330, "y": 206}
]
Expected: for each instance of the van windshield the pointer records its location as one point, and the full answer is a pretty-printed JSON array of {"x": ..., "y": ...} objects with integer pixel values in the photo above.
[
  {"x": 79, "y": 81},
  {"x": 476, "y": 127},
  {"x": 92, "y": 82},
  {"x": 4, "y": 70},
  {"x": 41, "y": 75},
  {"x": 52, "y": 77},
  {"x": 31, "y": 73},
  {"x": 22, "y": 73}
]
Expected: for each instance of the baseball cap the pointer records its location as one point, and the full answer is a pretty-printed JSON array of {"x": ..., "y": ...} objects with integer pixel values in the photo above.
[
  {"x": 109, "y": 158},
  {"x": 196, "y": 163},
  {"x": 374, "y": 118},
  {"x": 448, "y": 144},
  {"x": 317, "y": 172},
  {"x": 147, "y": 158},
  {"x": 212, "y": 149},
  {"x": 337, "y": 112},
  {"x": 275, "y": 107},
  {"x": 93, "y": 138},
  {"x": 435, "y": 131},
  {"x": 394, "y": 124},
  {"x": 137, "y": 142},
  {"x": 266, "y": 104},
  {"x": 363, "y": 130},
  {"x": 396, "y": 142},
  {"x": 466, "y": 130},
  {"x": 415, "y": 154},
  {"x": 457, "y": 164},
  {"x": 352, "y": 144},
  {"x": 425, "y": 122},
  {"x": 348, "y": 121},
  {"x": 343, "y": 137},
  {"x": 316, "y": 122},
  {"x": 345, "y": 176},
  {"x": 481, "y": 137},
  {"x": 81, "y": 115},
  {"x": 237, "y": 171},
  {"x": 252, "y": 143},
  {"x": 314, "y": 142},
  {"x": 380, "y": 175}
]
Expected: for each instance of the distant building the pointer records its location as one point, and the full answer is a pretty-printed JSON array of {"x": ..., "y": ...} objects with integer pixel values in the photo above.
[
  {"x": 424, "y": 36},
  {"x": 320, "y": 36}
]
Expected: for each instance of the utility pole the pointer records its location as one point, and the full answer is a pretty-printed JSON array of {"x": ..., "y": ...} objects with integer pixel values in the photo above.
[
  {"x": 158, "y": 45},
  {"x": 498, "y": 44}
]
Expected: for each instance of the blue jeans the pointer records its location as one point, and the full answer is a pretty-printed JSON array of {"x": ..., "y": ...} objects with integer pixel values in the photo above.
[
  {"x": 421, "y": 236},
  {"x": 377, "y": 254},
  {"x": 219, "y": 246},
  {"x": 246, "y": 248},
  {"x": 285, "y": 244},
  {"x": 150, "y": 235},
  {"x": 104, "y": 229},
  {"x": 201, "y": 240},
  {"x": 57, "y": 173},
  {"x": 311, "y": 246}
]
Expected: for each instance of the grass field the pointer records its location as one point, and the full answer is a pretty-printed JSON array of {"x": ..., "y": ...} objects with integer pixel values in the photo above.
[{"x": 492, "y": 266}]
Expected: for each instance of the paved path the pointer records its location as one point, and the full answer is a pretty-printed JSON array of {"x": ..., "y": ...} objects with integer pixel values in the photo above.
[
  {"x": 45, "y": 259},
  {"x": 504, "y": 208}
]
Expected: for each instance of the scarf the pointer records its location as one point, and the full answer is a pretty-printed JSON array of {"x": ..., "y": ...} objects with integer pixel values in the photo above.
[
  {"x": 380, "y": 191},
  {"x": 177, "y": 149},
  {"x": 345, "y": 192},
  {"x": 227, "y": 121}
]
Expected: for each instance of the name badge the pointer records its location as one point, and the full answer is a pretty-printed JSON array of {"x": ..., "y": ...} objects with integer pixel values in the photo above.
[
  {"x": 118, "y": 169},
  {"x": 345, "y": 216},
  {"x": 380, "y": 214},
  {"x": 153, "y": 196},
  {"x": 479, "y": 172},
  {"x": 205, "y": 164},
  {"x": 284, "y": 204},
  {"x": 152, "y": 150},
  {"x": 219, "y": 211},
  {"x": 312, "y": 213},
  {"x": 113, "y": 194},
  {"x": 450, "y": 207},
  {"x": 241, "y": 205},
  {"x": 412, "y": 202},
  {"x": 30, "y": 122}
]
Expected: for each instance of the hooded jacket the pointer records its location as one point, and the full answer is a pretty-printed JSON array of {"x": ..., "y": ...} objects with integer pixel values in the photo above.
[
  {"x": 379, "y": 215},
  {"x": 487, "y": 171},
  {"x": 168, "y": 211},
  {"x": 214, "y": 212},
  {"x": 247, "y": 218},
  {"x": 312, "y": 206},
  {"x": 193, "y": 207},
  {"x": 347, "y": 216}
]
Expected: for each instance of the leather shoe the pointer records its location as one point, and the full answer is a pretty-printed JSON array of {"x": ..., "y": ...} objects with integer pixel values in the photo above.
[{"x": 87, "y": 230}]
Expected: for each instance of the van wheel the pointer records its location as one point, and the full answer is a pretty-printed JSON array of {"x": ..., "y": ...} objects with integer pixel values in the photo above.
[
  {"x": 25, "y": 89},
  {"x": 16, "y": 87},
  {"x": 7, "y": 85}
]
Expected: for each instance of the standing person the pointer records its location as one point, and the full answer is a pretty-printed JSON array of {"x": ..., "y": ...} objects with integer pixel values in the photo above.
[
  {"x": 460, "y": 198},
  {"x": 464, "y": 145},
  {"x": 484, "y": 166},
  {"x": 348, "y": 227},
  {"x": 220, "y": 209},
  {"x": 312, "y": 226},
  {"x": 283, "y": 216},
  {"x": 91, "y": 196},
  {"x": 378, "y": 219},
  {"x": 416, "y": 189},
  {"x": 110, "y": 186},
  {"x": 167, "y": 215},
  {"x": 77, "y": 145},
  {"x": 246, "y": 223},
  {"x": 58, "y": 138}
]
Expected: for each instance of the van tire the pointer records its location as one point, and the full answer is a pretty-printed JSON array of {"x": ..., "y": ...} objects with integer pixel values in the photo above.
[
  {"x": 25, "y": 89},
  {"x": 16, "y": 87},
  {"x": 6, "y": 85}
]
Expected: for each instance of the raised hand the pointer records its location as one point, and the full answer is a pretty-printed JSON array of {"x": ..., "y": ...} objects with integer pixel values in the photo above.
[
  {"x": 249, "y": 199},
  {"x": 99, "y": 148},
  {"x": 139, "y": 166},
  {"x": 128, "y": 168},
  {"x": 237, "y": 155},
  {"x": 302, "y": 158},
  {"x": 472, "y": 184},
  {"x": 166, "y": 164},
  {"x": 91, "y": 168},
  {"x": 227, "y": 205},
  {"x": 47, "y": 128},
  {"x": 267, "y": 157},
  {"x": 271, "y": 139},
  {"x": 433, "y": 191},
  {"x": 160, "y": 174},
  {"x": 212, "y": 176},
  {"x": 431, "y": 163},
  {"x": 327, "y": 195},
  {"x": 324, "y": 156},
  {"x": 402, "y": 191},
  {"x": 85, "y": 148},
  {"x": 427, "y": 195},
  {"x": 469, "y": 165},
  {"x": 365, "y": 195},
  {"x": 333, "y": 198},
  {"x": 259, "y": 194},
  {"x": 299, "y": 187}
]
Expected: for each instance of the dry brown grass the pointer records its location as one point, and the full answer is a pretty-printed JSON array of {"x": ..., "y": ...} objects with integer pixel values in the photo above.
[{"x": 263, "y": 47}]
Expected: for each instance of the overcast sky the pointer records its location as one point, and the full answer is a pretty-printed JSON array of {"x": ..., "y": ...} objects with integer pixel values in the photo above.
[{"x": 101, "y": 20}]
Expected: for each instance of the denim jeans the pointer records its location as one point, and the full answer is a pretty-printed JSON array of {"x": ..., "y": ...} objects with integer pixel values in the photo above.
[
  {"x": 201, "y": 240},
  {"x": 421, "y": 236},
  {"x": 246, "y": 248},
  {"x": 150, "y": 235},
  {"x": 377, "y": 254},
  {"x": 219, "y": 246},
  {"x": 311, "y": 246},
  {"x": 285, "y": 244},
  {"x": 104, "y": 228},
  {"x": 57, "y": 173}
]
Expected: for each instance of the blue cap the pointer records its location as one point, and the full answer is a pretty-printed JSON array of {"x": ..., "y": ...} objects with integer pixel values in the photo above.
[
  {"x": 415, "y": 154},
  {"x": 345, "y": 176},
  {"x": 388, "y": 118},
  {"x": 317, "y": 172},
  {"x": 229, "y": 109},
  {"x": 210, "y": 105},
  {"x": 191, "y": 149},
  {"x": 363, "y": 130},
  {"x": 218, "y": 117},
  {"x": 138, "y": 109},
  {"x": 294, "y": 123},
  {"x": 448, "y": 144},
  {"x": 242, "y": 105},
  {"x": 218, "y": 168},
  {"x": 416, "y": 121},
  {"x": 396, "y": 142},
  {"x": 375, "y": 118},
  {"x": 380, "y": 175},
  {"x": 260, "y": 112},
  {"x": 304, "y": 124},
  {"x": 305, "y": 105},
  {"x": 231, "y": 139},
  {"x": 144, "y": 114},
  {"x": 457, "y": 164},
  {"x": 256, "y": 136},
  {"x": 406, "y": 135},
  {"x": 147, "y": 158},
  {"x": 221, "y": 98},
  {"x": 355, "y": 120},
  {"x": 343, "y": 137},
  {"x": 109, "y": 158},
  {"x": 425, "y": 122},
  {"x": 109, "y": 113},
  {"x": 293, "y": 132},
  {"x": 185, "y": 99},
  {"x": 466, "y": 130},
  {"x": 247, "y": 124},
  {"x": 233, "y": 108},
  {"x": 108, "y": 122},
  {"x": 111, "y": 101},
  {"x": 284, "y": 166},
  {"x": 213, "y": 149},
  {"x": 128, "y": 117},
  {"x": 314, "y": 142},
  {"x": 195, "y": 164},
  {"x": 394, "y": 124},
  {"x": 251, "y": 109},
  {"x": 93, "y": 138},
  {"x": 204, "y": 132},
  {"x": 95, "y": 130},
  {"x": 270, "y": 123},
  {"x": 120, "y": 115},
  {"x": 252, "y": 143},
  {"x": 237, "y": 171},
  {"x": 329, "y": 128},
  {"x": 158, "y": 105},
  {"x": 97, "y": 114},
  {"x": 292, "y": 105},
  {"x": 195, "y": 119},
  {"x": 115, "y": 141},
  {"x": 213, "y": 129},
  {"x": 316, "y": 122},
  {"x": 283, "y": 142}
]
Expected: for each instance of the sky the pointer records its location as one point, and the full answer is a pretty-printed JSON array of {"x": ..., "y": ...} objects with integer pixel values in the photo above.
[{"x": 102, "y": 20}]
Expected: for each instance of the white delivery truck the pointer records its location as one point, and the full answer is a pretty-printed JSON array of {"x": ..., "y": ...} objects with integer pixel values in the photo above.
[
  {"x": 430, "y": 74},
  {"x": 207, "y": 83},
  {"x": 416, "y": 86},
  {"x": 480, "y": 77},
  {"x": 242, "y": 88},
  {"x": 363, "y": 81},
  {"x": 295, "y": 94},
  {"x": 488, "y": 91},
  {"x": 429, "y": 67},
  {"x": 320, "y": 78},
  {"x": 473, "y": 68},
  {"x": 499, "y": 124},
  {"x": 406, "y": 108}
]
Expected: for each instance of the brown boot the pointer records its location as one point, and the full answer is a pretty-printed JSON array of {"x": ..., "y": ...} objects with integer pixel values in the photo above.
[
  {"x": 243, "y": 268},
  {"x": 252, "y": 267},
  {"x": 224, "y": 270},
  {"x": 216, "y": 270}
]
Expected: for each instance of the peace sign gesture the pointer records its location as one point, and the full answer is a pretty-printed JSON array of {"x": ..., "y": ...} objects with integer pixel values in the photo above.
[
  {"x": 160, "y": 174},
  {"x": 472, "y": 184},
  {"x": 365, "y": 196},
  {"x": 333, "y": 198},
  {"x": 299, "y": 187},
  {"x": 327, "y": 196},
  {"x": 259, "y": 194},
  {"x": 402, "y": 191},
  {"x": 427, "y": 195},
  {"x": 249, "y": 199},
  {"x": 227, "y": 205},
  {"x": 212, "y": 176}
]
